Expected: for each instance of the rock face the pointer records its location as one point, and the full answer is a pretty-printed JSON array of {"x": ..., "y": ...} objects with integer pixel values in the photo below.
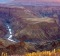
[
  {"x": 3, "y": 30},
  {"x": 42, "y": 30}
]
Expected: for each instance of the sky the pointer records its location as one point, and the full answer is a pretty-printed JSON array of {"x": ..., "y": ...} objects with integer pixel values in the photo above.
[
  {"x": 38, "y": 0},
  {"x": 5, "y": 1},
  {"x": 28, "y": 1}
]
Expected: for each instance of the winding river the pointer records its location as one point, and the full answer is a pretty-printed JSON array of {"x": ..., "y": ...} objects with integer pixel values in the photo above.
[{"x": 10, "y": 35}]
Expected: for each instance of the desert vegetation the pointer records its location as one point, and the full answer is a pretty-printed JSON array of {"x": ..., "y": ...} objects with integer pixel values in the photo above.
[{"x": 45, "y": 53}]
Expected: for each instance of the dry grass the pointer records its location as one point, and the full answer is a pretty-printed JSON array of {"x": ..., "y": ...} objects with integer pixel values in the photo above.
[{"x": 45, "y": 53}]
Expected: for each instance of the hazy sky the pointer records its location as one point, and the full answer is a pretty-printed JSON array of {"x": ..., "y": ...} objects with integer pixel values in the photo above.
[
  {"x": 39, "y": 0},
  {"x": 5, "y": 1},
  {"x": 8, "y": 1}
]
